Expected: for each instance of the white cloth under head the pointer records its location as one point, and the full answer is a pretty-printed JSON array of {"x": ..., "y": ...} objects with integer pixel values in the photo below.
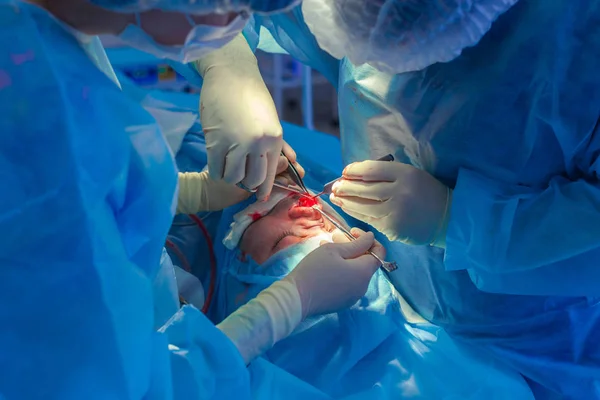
[{"x": 243, "y": 219}]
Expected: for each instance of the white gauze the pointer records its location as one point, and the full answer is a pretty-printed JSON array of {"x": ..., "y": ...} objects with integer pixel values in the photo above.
[{"x": 243, "y": 219}]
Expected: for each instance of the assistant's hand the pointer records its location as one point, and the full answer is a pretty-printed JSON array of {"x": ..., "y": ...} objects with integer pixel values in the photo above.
[
  {"x": 244, "y": 137},
  {"x": 330, "y": 278},
  {"x": 336, "y": 275},
  {"x": 399, "y": 200}
]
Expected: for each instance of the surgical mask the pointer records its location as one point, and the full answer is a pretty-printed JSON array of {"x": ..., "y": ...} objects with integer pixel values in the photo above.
[
  {"x": 397, "y": 36},
  {"x": 201, "y": 40}
]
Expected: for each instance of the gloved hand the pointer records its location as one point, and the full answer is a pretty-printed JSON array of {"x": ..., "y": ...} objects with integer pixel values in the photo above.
[
  {"x": 330, "y": 278},
  {"x": 242, "y": 129},
  {"x": 199, "y": 192},
  {"x": 282, "y": 176},
  {"x": 336, "y": 275},
  {"x": 399, "y": 200}
]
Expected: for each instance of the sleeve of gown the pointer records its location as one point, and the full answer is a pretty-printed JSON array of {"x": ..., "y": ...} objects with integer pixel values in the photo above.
[
  {"x": 80, "y": 238},
  {"x": 521, "y": 240},
  {"x": 78, "y": 317},
  {"x": 77, "y": 313}
]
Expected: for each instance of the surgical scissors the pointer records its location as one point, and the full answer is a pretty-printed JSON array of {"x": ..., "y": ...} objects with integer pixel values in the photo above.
[{"x": 388, "y": 266}]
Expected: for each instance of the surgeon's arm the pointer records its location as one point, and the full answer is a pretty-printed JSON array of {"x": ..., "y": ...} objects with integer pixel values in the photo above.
[
  {"x": 310, "y": 289},
  {"x": 522, "y": 240},
  {"x": 77, "y": 309},
  {"x": 199, "y": 193},
  {"x": 262, "y": 322}
]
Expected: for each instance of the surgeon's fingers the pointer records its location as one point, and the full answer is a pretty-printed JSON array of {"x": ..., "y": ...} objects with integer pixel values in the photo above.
[
  {"x": 357, "y": 232},
  {"x": 372, "y": 208},
  {"x": 290, "y": 154},
  {"x": 366, "y": 263},
  {"x": 370, "y": 170},
  {"x": 264, "y": 190},
  {"x": 378, "y": 191},
  {"x": 282, "y": 165},
  {"x": 300, "y": 169},
  {"x": 285, "y": 179},
  {"x": 282, "y": 175},
  {"x": 352, "y": 249},
  {"x": 256, "y": 170},
  {"x": 216, "y": 161},
  {"x": 361, "y": 217},
  {"x": 235, "y": 166},
  {"x": 339, "y": 237},
  {"x": 377, "y": 248}
]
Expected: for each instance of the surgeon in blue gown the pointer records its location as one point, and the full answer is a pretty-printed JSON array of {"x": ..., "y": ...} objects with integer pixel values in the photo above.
[
  {"x": 87, "y": 195},
  {"x": 492, "y": 212}
]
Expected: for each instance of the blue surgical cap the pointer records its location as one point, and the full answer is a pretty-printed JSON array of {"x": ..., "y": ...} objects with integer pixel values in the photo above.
[
  {"x": 397, "y": 36},
  {"x": 199, "y": 6}
]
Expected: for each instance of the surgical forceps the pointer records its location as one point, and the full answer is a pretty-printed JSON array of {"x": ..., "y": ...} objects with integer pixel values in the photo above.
[
  {"x": 326, "y": 189},
  {"x": 388, "y": 266},
  {"x": 290, "y": 188},
  {"x": 293, "y": 172}
]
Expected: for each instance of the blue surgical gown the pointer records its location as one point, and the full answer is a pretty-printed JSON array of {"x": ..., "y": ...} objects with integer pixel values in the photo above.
[
  {"x": 86, "y": 200},
  {"x": 512, "y": 126}
]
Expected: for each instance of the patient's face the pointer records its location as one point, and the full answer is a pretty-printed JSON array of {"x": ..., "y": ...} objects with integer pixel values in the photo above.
[{"x": 287, "y": 224}]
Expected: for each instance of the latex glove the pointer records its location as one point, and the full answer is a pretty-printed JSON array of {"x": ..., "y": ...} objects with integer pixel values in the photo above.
[
  {"x": 336, "y": 275},
  {"x": 282, "y": 176},
  {"x": 243, "y": 134},
  {"x": 199, "y": 192},
  {"x": 256, "y": 326},
  {"x": 399, "y": 200},
  {"x": 332, "y": 277}
]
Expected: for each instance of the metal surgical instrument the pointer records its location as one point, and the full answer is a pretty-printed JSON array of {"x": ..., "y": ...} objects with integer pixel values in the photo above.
[
  {"x": 388, "y": 266},
  {"x": 329, "y": 186},
  {"x": 293, "y": 172}
]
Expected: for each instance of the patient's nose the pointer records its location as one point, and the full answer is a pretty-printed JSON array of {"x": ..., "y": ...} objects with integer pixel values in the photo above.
[{"x": 304, "y": 212}]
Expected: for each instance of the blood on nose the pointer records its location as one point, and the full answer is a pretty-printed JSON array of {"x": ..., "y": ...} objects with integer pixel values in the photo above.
[{"x": 307, "y": 201}]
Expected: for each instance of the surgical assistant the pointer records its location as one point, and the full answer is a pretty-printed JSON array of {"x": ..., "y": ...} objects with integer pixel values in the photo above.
[
  {"x": 87, "y": 198},
  {"x": 492, "y": 109}
]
